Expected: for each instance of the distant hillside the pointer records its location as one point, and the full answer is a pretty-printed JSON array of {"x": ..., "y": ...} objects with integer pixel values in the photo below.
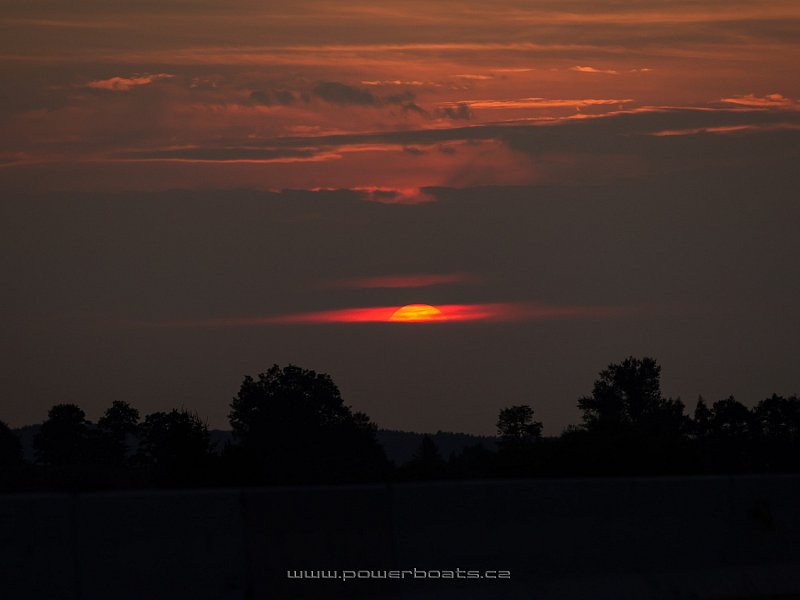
[
  {"x": 219, "y": 438},
  {"x": 400, "y": 446}
]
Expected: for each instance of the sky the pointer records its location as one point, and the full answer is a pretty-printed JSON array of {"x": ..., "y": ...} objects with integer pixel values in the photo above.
[{"x": 194, "y": 191}]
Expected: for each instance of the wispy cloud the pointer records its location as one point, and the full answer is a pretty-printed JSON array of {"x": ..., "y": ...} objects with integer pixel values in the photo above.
[
  {"x": 546, "y": 102},
  {"x": 729, "y": 129},
  {"x": 475, "y": 77},
  {"x": 769, "y": 101},
  {"x": 580, "y": 69},
  {"x": 392, "y": 82}
]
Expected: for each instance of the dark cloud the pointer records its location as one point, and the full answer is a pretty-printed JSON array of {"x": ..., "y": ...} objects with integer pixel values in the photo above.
[
  {"x": 459, "y": 112},
  {"x": 273, "y": 97},
  {"x": 413, "y": 150},
  {"x": 635, "y": 134},
  {"x": 346, "y": 95},
  {"x": 402, "y": 98},
  {"x": 260, "y": 97},
  {"x": 413, "y": 107},
  {"x": 339, "y": 93},
  {"x": 382, "y": 195},
  {"x": 284, "y": 96}
]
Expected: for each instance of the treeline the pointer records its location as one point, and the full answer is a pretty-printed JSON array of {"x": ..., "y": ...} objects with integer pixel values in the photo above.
[{"x": 290, "y": 426}]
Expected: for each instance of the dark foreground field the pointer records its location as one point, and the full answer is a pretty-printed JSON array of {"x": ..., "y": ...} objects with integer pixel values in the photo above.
[{"x": 726, "y": 537}]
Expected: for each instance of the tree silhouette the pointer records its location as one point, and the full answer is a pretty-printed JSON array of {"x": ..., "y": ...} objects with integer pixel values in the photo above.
[
  {"x": 701, "y": 423},
  {"x": 293, "y": 423},
  {"x": 627, "y": 396},
  {"x": 518, "y": 433},
  {"x": 777, "y": 420},
  {"x": 632, "y": 428},
  {"x": 427, "y": 462},
  {"x": 728, "y": 437},
  {"x": 120, "y": 419},
  {"x": 731, "y": 420},
  {"x": 778, "y": 417},
  {"x": 119, "y": 422},
  {"x": 516, "y": 427},
  {"x": 176, "y": 446},
  {"x": 10, "y": 447},
  {"x": 63, "y": 438}
]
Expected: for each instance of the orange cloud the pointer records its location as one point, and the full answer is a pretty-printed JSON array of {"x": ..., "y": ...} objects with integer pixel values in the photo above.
[
  {"x": 123, "y": 84},
  {"x": 385, "y": 195},
  {"x": 395, "y": 195}
]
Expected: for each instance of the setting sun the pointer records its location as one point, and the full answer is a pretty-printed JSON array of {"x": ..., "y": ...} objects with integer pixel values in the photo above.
[{"x": 417, "y": 313}]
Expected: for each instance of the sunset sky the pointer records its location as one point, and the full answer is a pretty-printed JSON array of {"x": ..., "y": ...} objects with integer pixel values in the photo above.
[{"x": 195, "y": 190}]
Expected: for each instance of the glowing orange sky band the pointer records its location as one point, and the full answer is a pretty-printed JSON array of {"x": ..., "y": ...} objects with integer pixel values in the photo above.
[{"x": 496, "y": 312}]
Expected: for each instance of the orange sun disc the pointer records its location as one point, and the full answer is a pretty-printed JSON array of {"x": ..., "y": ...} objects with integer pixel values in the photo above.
[{"x": 417, "y": 313}]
